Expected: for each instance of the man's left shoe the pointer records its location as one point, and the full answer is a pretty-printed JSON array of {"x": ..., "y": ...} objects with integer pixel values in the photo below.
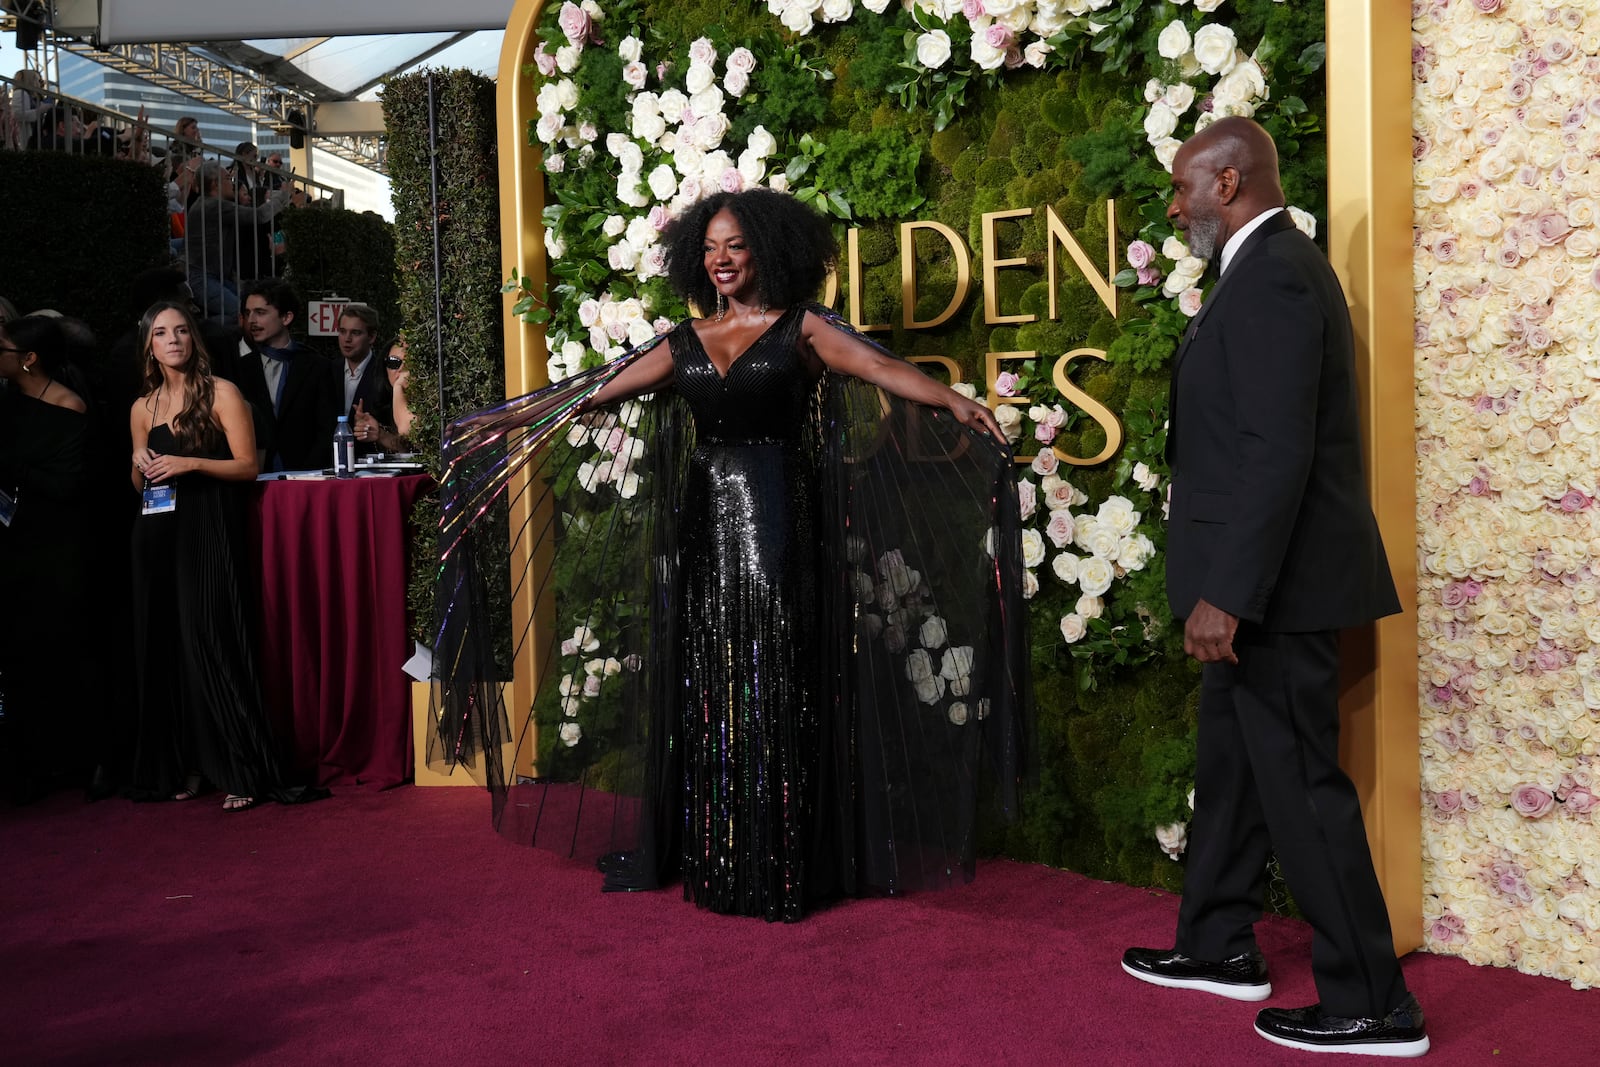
[{"x": 1401, "y": 1033}]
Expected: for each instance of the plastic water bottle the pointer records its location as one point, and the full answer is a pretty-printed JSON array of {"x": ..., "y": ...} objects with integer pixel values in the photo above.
[{"x": 344, "y": 449}]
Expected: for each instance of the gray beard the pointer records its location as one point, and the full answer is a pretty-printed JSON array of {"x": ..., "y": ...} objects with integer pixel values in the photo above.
[{"x": 1202, "y": 237}]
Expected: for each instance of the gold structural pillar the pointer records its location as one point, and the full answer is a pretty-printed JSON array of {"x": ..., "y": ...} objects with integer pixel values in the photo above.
[{"x": 1369, "y": 242}]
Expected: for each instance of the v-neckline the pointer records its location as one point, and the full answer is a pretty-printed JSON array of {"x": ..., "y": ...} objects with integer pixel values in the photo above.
[{"x": 722, "y": 376}]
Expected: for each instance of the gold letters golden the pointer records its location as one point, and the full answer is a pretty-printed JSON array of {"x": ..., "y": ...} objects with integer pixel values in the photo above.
[{"x": 1058, "y": 237}]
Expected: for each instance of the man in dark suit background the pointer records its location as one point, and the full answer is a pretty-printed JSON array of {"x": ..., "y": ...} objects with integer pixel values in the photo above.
[
  {"x": 284, "y": 381},
  {"x": 359, "y": 382},
  {"x": 1272, "y": 549}
]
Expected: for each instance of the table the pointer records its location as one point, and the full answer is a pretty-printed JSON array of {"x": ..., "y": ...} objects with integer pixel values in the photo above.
[{"x": 334, "y": 633}]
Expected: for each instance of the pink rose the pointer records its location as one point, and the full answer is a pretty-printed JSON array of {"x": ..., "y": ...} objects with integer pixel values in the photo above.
[
  {"x": 1005, "y": 382},
  {"x": 662, "y": 325},
  {"x": 1059, "y": 498},
  {"x": 1580, "y": 801},
  {"x": 998, "y": 36},
  {"x": 742, "y": 60},
  {"x": 1488, "y": 7},
  {"x": 1454, "y": 595},
  {"x": 1574, "y": 501},
  {"x": 1444, "y": 249},
  {"x": 1046, "y": 462},
  {"x": 1045, "y": 432},
  {"x": 1060, "y": 528},
  {"x": 1473, "y": 587},
  {"x": 575, "y": 22},
  {"x": 1141, "y": 254},
  {"x": 1190, "y": 300},
  {"x": 1149, "y": 275},
  {"x": 660, "y": 217},
  {"x": 1448, "y": 801},
  {"x": 1551, "y": 228},
  {"x": 689, "y": 189},
  {"x": 1532, "y": 802},
  {"x": 1027, "y": 496},
  {"x": 732, "y": 180},
  {"x": 543, "y": 59},
  {"x": 973, "y": 9}
]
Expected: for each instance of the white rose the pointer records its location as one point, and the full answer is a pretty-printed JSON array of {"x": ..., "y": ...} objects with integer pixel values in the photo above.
[
  {"x": 837, "y": 10},
  {"x": 1034, "y": 54},
  {"x": 1189, "y": 301},
  {"x": 933, "y": 48},
  {"x": 742, "y": 60},
  {"x": 663, "y": 183},
  {"x": 1073, "y": 628},
  {"x": 567, "y": 58},
  {"x": 957, "y": 663},
  {"x": 1174, "y": 838},
  {"x": 1144, "y": 477},
  {"x": 919, "y": 665},
  {"x": 736, "y": 82},
  {"x": 779, "y": 182},
  {"x": 929, "y": 690},
  {"x": 1166, "y": 151},
  {"x": 1032, "y": 548},
  {"x": 1215, "y": 48},
  {"x": 630, "y": 157},
  {"x": 650, "y": 266},
  {"x": 933, "y": 632},
  {"x": 1174, "y": 40},
  {"x": 630, "y": 49},
  {"x": 877, "y": 7},
  {"x": 672, "y": 102},
  {"x": 1160, "y": 122},
  {"x": 1209, "y": 6},
  {"x": 1030, "y": 584},
  {"x": 1095, "y": 576},
  {"x": 1174, "y": 249},
  {"x": 554, "y": 246},
  {"x": 958, "y": 713},
  {"x": 622, "y": 256},
  {"x": 1010, "y": 420},
  {"x": 1304, "y": 221},
  {"x": 700, "y": 78},
  {"x": 567, "y": 92},
  {"x": 751, "y": 167},
  {"x": 613, "y": 227},
  {"x": 797, "y": 18},
  {"x": 762, "y": 143},
  {"x": 1090, "y": 607},
  {"x": 702, "y": 51},
  {"x": 641, "y": 234},
  {"x": 984, "y": 54},
  {"x": 1244, "y": 83},
  {"x": 1135, "y": 552},
  {"x": 1066, "y": 567},
  {"x": 571, "y": 734},
  {"x": 1178, "y": 97},
  {"x": 548, "y": 128},
  {"x": 635, "y": 74}
]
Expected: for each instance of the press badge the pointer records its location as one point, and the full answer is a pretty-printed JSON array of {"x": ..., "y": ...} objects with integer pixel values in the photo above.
[
  {"x": 159, "y": 499},
  {"x": 8, "y": 508}
]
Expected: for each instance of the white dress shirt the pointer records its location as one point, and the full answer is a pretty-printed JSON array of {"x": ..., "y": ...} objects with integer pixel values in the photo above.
[
  {"x": 352, "y": 379},
  {"x": 1237, "y": 239}
]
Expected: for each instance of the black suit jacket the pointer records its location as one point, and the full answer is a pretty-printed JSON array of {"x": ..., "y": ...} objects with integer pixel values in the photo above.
[
  {"x": 373, "y": 391},
  {"x": 299, "y": 433},
  {"x": 1270, "y": 518}
]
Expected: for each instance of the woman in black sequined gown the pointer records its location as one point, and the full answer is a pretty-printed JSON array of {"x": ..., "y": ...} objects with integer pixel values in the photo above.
[
  {"x": 751, "y": 714},
  {"x": 807, "y": 498}
]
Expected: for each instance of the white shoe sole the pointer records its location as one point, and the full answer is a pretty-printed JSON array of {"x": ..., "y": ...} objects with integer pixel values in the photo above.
[
  {"x": 1230, "y": 990},
  {"x": 1403, "y": 1050}
]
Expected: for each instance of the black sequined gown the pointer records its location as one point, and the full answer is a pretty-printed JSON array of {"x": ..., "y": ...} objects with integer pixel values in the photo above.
[{"x": 749, "y": 715}]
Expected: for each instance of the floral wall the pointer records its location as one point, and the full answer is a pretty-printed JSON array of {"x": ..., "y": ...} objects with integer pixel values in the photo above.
[
  {"x": 1507, "y": 135},
  {"x": 885, "y": 111}
]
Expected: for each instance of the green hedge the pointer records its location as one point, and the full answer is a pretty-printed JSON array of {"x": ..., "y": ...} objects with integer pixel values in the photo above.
[
  {"x": 351, "y": 253},
  {"x": 75, "y": 231},
  {"x": 468, "y": 222}
]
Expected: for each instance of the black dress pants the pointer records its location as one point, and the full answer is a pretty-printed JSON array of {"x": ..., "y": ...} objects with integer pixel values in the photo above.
[{"x": 1268, "y": 780}]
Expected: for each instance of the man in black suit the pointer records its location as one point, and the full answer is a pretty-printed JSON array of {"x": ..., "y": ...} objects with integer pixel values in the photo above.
[
  {"x": 359, "y": 382},
  {"x": 284, "y": 381},
  {"x": 1272, "y": 549}
]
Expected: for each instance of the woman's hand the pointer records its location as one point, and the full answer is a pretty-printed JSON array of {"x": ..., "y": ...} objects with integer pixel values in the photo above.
[
  {"x": 972, "y": 414},
  {"x": 158, "y": 468},
  {"x": 367, "y": 428}
]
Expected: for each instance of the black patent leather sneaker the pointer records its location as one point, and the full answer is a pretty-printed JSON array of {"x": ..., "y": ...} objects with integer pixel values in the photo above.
[
  {"x": 1400, "y": 1034},
  {"x": 1242, "y": 977}
]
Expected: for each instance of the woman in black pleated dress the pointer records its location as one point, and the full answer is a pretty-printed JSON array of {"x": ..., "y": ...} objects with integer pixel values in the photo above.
[{"x": 201, "y": 718}]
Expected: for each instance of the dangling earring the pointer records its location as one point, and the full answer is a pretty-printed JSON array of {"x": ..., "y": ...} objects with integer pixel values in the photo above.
[
  {"x": 27, "y": 368},
  {"x": 763, "y": 309},
  {"x": 722, "y": 306}
]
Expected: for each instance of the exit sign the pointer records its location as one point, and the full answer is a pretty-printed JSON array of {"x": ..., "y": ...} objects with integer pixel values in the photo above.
[{"x": 322, "y": 316}]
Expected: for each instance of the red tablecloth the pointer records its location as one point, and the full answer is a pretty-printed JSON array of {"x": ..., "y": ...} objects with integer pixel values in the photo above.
[{"x": 333, "y": 622}]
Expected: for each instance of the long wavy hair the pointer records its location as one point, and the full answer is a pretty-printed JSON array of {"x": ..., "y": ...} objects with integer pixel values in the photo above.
[{"x": 195, "y": 426}]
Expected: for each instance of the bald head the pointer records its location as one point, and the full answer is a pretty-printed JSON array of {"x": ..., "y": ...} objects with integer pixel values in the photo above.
[{"x": 1223, "y": 177}]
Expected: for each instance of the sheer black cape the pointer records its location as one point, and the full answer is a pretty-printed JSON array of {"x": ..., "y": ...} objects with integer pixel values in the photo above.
[{"x": 926, "y": 702}]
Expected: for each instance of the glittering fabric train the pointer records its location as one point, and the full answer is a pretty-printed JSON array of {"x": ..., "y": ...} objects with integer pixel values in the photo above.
[{"x": 788, "y": 657}]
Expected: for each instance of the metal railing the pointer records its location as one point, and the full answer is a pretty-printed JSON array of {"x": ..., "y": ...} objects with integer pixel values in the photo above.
[{"x": 223, "y": 208}]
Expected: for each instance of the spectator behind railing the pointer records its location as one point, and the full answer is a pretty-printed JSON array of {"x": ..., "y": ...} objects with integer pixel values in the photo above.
[
  {"x": 211, "y": 234},
  {"x": 27, "y": 105}
]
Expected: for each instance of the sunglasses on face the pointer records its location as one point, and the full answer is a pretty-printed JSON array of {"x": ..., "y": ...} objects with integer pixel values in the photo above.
[{"x": 394, "y": 362}]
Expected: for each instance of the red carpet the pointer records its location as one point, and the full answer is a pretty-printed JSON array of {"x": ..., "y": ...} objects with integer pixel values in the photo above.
[{"x": 395, "y": 927}]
